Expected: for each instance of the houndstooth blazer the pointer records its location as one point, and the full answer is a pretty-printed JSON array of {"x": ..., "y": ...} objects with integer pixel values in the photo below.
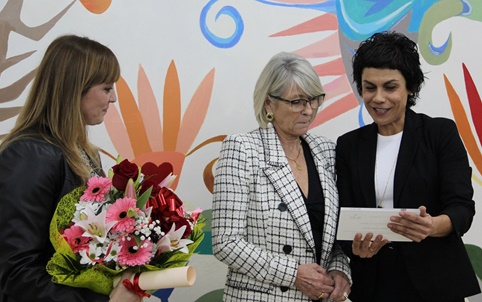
[{"x": 260, "y": 226}]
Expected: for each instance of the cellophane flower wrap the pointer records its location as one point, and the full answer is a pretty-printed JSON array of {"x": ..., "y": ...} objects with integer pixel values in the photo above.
[{"x": 129, "y": 220}]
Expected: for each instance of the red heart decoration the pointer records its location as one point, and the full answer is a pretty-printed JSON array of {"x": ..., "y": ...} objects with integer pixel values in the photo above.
[{"x": 155, "y": 173}]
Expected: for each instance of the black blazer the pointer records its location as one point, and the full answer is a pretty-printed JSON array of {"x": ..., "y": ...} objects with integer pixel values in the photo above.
[
  {"x": 432, "y": 170},
  {"x": 34, "y": 175}
]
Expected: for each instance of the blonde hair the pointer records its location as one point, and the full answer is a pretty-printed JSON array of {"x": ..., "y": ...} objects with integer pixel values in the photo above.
[
  {"x": 284, "y": 71},
  {"x": 70, "y": 67}
]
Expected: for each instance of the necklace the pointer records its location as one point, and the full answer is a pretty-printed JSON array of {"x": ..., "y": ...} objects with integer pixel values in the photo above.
[
  {"x": 379, "y": 203},
  {"x": 298, "y": 166},
  {"x": 88, "y": 162}
]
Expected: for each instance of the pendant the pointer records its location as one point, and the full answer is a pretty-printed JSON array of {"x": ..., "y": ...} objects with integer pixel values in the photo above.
[{"x": 299, "y": 167}]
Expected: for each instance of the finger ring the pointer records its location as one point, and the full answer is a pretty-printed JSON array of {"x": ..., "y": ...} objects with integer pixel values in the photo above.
[
  {"x": 321, "y": 296},
  {"x": 371, "y": 250},
  {"x": 345, "y": 294}
]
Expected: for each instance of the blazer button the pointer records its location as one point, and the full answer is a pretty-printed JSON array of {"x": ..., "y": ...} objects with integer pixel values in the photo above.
[
  {"x": 287, "y": 249},
  {"x": 283, "y": 288},
  {"x": 282, "y": 207}
]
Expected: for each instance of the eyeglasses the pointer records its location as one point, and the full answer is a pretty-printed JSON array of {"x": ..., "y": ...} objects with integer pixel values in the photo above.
[{"x": 299, "y": 104}]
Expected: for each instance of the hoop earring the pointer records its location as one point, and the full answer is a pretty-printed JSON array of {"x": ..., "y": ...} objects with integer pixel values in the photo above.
[{"x": 269, "y": 118}]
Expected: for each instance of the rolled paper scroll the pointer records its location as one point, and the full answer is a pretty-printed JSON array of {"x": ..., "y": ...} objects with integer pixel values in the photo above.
[{"x": 166, "y": 278}]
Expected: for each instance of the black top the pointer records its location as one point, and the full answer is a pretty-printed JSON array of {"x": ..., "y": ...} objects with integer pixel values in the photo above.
[{"x": 315, "y": 203}]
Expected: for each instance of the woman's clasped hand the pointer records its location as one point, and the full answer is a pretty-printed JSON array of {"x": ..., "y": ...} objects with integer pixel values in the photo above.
[{"x": 315, "y": 282}]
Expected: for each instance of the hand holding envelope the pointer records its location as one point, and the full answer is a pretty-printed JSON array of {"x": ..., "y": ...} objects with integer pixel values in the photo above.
[
  {"x": 419, "y": 226},
  {"x": 369, "y": 220}
]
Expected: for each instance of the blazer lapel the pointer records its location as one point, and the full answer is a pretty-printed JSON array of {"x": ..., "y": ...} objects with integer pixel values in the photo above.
[
  {"x": 366, "y": 157},
  {"x": 408, "y": 148},
  {"x": 279, "y": 174}
]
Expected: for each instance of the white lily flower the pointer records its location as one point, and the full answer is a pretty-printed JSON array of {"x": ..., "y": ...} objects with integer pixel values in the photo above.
[
  {"x": 95, "y": 226},
  {"x": 167, "y": 182},
  {"x": 173, "y": 241}
]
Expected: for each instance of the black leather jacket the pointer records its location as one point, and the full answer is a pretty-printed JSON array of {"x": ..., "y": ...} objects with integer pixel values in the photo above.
[{"x": 34, "y": 175}]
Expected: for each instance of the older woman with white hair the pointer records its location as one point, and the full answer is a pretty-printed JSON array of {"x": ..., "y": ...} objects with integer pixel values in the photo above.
[{"x": 275, "y": 204}]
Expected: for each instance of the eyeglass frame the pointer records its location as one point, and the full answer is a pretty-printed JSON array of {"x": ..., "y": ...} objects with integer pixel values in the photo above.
[{"x": 305, "y": 101}]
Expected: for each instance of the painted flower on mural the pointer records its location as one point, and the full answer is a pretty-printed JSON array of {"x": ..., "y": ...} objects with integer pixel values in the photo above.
[
  {"x": 466, "y": 122},
  {"x": 119, "y": 222},
  {"x": 139, "y": 134},
  {"x": 11, "y": 22},
  {"x": 340, "y": 98}
]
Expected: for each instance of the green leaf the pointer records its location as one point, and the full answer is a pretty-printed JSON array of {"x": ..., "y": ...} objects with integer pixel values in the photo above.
[
  {"x": 142, "y": 200},
  {"x": 138, "y": 240},
  {"x": 475, "y": 256}
]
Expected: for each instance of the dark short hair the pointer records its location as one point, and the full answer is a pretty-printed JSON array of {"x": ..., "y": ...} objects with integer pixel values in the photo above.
[{"x": 390, "y": 50}]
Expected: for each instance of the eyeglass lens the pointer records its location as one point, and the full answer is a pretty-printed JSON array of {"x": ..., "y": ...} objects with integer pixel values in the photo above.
[{"x": 299, "y": 104}]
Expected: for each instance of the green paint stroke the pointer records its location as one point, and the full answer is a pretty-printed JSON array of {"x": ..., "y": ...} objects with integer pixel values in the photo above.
[
  {"x": 205, "y": 248},
  {"x": 437, "y": 13},
  {"x": 475, "y": 256},
  {"x": 213, "y": 296}
]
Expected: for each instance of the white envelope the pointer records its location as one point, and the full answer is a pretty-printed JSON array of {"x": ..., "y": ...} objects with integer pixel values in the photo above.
[{"x": 368, "y": 220}]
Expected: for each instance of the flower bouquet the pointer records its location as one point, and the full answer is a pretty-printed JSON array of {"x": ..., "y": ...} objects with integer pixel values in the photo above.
[{"x": 129, "y": 220}]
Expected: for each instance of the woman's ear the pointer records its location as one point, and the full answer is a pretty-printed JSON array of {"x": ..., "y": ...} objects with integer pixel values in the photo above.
[
  {"x": 267, "y": 101},
  {"x": 267, "y": 104}
]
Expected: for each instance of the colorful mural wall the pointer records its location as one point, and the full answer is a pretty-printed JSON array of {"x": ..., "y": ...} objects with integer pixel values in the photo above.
[{"x": 189, "y": 68}]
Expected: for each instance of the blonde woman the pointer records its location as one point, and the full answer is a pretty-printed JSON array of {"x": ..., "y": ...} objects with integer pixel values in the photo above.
[{"x": 46, "y": 155}]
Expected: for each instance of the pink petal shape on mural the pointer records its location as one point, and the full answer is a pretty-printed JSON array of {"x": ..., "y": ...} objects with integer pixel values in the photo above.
[
  {"x": 300, "y": 1},
  {"x": 335, "y": 109},
  {"x": 328, "y": 47},
  {"x": 132, "y": 119},
  {"x": 331, "y": 68},
  {"x": 321, "y": 23},
  {"x": 149, "y": 111},
  {"x": 118, "y": 133},
  {"x": 172, "y": 108},
  {"x": 474, "y": 102},
  {"x": 337, "y": 87},
  {"x": 195, "y": 113}
]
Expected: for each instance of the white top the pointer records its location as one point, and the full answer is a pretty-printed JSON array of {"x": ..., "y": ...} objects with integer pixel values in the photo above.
[{"x": 386, "y": 160}]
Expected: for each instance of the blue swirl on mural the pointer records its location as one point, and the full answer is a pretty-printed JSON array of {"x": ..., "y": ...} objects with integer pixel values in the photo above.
[
  {"x": 439, "y": 50},
  {"x": 467, "y": 8},
  {"x": 358, "y": 25},
  {"x": 361, "y": 122},
  {"x": 227, "y": 11},
  {"x": 360, "y": 20},
  {"x": 327, "y": 6}
]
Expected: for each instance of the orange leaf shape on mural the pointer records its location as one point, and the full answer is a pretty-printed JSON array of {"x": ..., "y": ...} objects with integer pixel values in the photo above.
[
  {"x": 96, "y": 6},
  {"x": 463, "y": 124}
]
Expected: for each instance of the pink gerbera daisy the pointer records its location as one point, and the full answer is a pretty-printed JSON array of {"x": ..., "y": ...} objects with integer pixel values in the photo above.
[
  {"x": 124, "y": 212},
  {"x": 74, "y": 238},
  {"x": 97, "y": 188},
  {"x": 132, "y": 254}
]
